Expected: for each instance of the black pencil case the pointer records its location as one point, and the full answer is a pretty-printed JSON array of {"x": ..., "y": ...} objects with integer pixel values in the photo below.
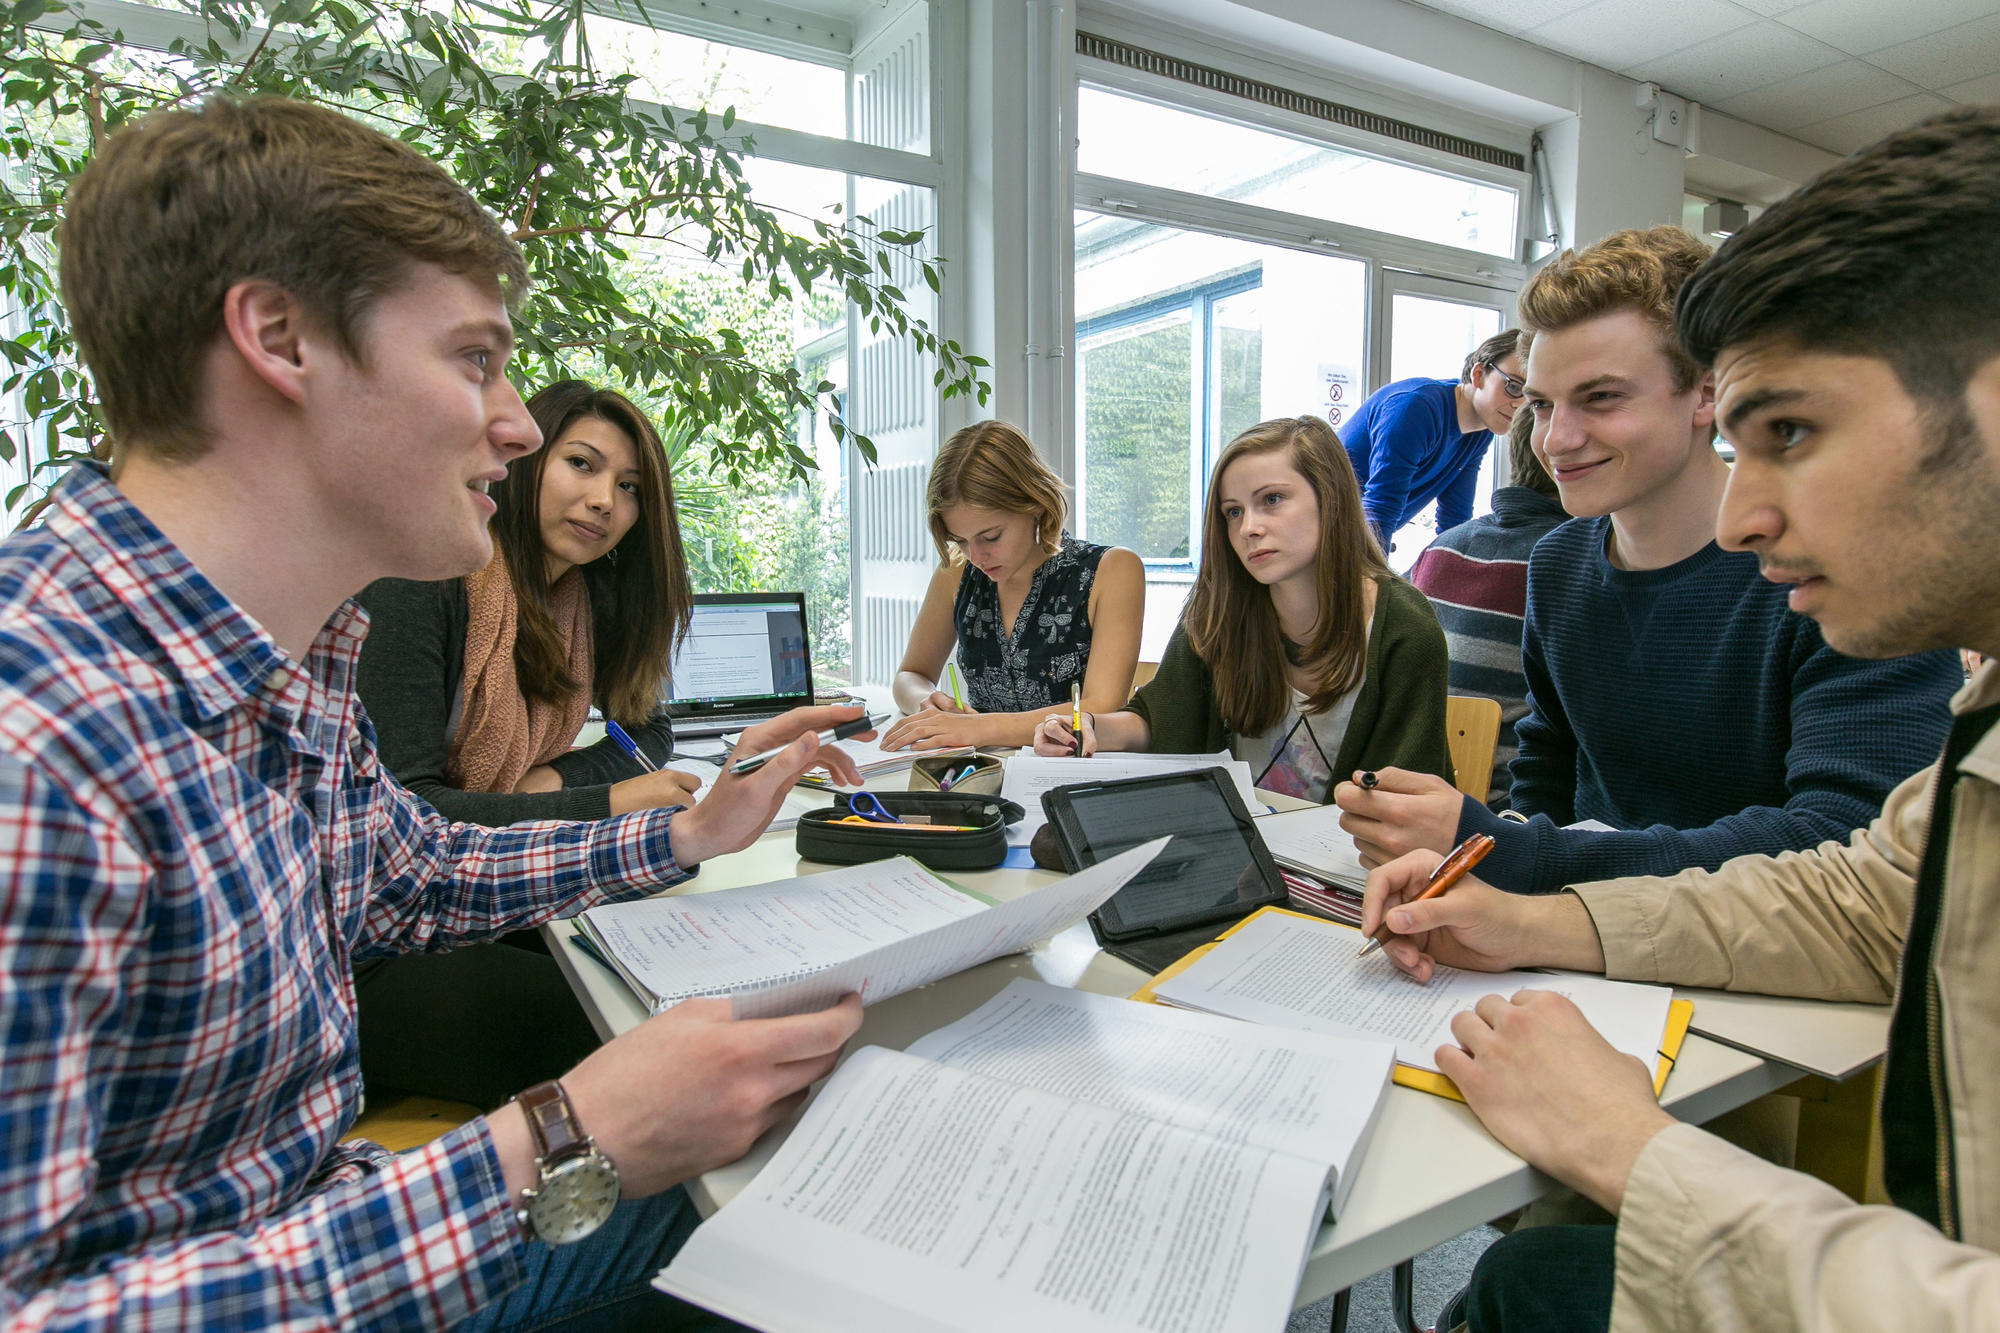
[{"x": 973, "y": 835}]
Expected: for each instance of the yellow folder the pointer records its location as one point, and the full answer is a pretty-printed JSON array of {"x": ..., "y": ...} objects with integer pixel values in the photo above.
[{"x": 1679, "y": 1013}]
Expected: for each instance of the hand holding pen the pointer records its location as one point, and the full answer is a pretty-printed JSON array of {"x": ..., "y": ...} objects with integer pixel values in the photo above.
[
  {"x": 1449, "y": 871},
  {"x": 655, "y": 788}
]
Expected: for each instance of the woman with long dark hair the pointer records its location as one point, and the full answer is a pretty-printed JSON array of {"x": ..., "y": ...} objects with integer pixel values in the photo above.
[
  {"x": 1299, "y": 651},
  {"x": 479, "y": 686}
]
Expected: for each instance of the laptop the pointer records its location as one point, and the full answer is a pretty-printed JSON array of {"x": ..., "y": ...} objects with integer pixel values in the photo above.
[{"x": 745, "y": 659}]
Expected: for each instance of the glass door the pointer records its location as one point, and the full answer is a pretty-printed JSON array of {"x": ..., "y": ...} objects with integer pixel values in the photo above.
[{"x": 1425, "y": 326}]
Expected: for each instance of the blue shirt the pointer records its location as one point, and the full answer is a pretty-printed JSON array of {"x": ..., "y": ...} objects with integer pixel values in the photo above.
[
  {"x": 1691, "y": 709},
  {"x": 1407, "y": 450},
  {"x": 196, "y": 839}
]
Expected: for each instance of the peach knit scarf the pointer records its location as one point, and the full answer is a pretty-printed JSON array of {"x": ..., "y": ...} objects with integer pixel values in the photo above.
[{"x": 501, "y": 732}]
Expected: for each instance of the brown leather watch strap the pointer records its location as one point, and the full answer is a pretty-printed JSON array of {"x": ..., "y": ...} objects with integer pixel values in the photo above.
[{"x": 558, "y": 1134}]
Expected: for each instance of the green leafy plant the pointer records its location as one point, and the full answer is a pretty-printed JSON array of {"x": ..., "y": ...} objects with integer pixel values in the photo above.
[{"x": 596, "y": 185}]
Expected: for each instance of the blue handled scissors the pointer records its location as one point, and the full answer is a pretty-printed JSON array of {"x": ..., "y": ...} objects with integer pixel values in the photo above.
[{"x": 864, "y": 804}]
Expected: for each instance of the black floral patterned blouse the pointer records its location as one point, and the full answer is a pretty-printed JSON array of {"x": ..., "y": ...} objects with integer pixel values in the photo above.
[{"x": 1032, "y": 666}]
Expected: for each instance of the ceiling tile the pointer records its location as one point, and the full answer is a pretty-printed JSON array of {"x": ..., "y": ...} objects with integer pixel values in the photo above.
[
  {"x": 1857, "y": 129},
  {"x": 1752, "y": 57},
  {"x": 1951, "y": 56},
  {"x": 1833, "y": 91},
  {"x": 1770, "y": 8},
  {"x": 1860, "y": 26},
  {"x": 1986, "y": 88},
  {"x": 1512, "y": 16},
  {"x": 1617, "y": 33}
]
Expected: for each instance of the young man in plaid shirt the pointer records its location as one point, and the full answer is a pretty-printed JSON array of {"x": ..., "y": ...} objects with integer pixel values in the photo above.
[{"x": 298, "y": 329}]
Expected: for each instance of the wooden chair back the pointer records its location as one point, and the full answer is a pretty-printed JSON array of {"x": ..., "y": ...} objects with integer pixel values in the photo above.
[{"x": 1472, "y": 726}]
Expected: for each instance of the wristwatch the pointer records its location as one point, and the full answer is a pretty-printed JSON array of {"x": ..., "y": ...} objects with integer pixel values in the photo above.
[{"x": 576, "y": 1186}]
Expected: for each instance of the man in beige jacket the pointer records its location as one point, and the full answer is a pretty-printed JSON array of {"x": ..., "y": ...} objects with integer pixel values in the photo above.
[{"x": 1854, "y": 331}]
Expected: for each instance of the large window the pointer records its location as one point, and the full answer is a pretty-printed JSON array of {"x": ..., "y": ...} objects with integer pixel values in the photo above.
[
  {"x": 1184, "y": 340},
  {"x": 1230, "y": 268},
  {"x": 1137, "y": 140}
]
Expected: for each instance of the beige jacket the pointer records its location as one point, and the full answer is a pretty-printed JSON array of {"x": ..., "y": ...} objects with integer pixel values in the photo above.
[{"x": 1712, "y": 1238}]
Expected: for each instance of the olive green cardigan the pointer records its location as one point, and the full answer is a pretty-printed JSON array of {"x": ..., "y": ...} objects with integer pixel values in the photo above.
[{"x": 1398, "y": 719}]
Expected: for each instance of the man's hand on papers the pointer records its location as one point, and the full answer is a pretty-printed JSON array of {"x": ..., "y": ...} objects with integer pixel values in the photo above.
[
  {"x": 740, "y": 807},
  {"x": 691, "y": 1089},
  {"x": 1544, "y": 1083},
  {"x": 1474, "y": 925},
  {"x": 1404, "y": 812}
]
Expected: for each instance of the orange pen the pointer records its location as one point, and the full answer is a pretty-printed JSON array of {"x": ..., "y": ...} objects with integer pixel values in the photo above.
[{"x": 1450, "y": 870}]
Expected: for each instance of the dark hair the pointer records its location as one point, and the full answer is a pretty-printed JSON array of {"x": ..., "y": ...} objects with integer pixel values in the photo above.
[
  {"x": 174, "y": 210},
  {"x": 1500, "y": 346},
  {"x": 990, "y": 464},
  {"x": 1893, "y": 253},
  {"x": 1230, "y": 620},
  {"x": 1628, "y": 270},
  {"x": 1524, "y": 466},
  {"x": 640, "y": 599}
]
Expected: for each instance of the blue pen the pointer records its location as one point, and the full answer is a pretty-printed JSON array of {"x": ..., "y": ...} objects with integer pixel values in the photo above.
[{"x": 629, "y": 746}]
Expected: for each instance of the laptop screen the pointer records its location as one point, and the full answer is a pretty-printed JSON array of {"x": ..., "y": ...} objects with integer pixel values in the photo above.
[{"x": 743, "y": 651}]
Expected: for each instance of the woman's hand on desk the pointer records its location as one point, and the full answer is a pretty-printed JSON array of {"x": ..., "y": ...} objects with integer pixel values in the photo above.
[
  {"x": 1544, "y": 1083},
  {"x": 654, "y": 791},
  {"x": 1053, "y": 737},
  {"x": 741, "y": 806},
  {"x": 937, "y": 728},
  {"x": 1474, "y": 925}
]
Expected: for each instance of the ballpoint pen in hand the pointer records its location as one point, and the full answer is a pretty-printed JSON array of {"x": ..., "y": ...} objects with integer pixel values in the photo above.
[
  {"x": 827, "y": 737},
  {"x": 624, "y": 741},
  {"x": 1449, "y": 871}
]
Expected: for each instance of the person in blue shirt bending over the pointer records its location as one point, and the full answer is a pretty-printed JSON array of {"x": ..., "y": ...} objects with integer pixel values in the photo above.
[{"x": 1420, "y": 440}]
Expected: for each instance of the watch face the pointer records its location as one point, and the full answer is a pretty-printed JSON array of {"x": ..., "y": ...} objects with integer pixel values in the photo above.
[{"x": 574, "y": 1199}]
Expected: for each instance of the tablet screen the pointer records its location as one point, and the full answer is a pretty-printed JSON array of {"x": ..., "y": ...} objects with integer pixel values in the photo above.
[{"x": 1209, "y": 870}]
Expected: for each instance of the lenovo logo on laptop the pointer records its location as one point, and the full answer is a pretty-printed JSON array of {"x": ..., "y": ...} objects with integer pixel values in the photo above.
[{"x": 745, "y": 658}]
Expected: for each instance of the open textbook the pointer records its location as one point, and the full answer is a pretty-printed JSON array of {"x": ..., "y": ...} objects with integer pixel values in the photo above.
[
  {"x": 1281, "y": 968},
  {"x": 1028, "y": 775},
  {"x": 1054, "y": 1160},
  {"x": 796, "y": 945}
]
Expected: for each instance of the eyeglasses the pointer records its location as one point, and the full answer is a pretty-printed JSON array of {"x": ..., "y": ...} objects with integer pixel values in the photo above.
[{"x": 1516, "y": 388}]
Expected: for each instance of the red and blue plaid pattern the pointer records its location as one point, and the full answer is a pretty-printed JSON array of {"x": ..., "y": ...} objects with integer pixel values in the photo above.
[{"x": 196, "y": 838}]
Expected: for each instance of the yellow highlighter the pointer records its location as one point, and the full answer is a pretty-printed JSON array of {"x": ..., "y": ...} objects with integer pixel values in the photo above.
[
  {"x": 953, "y": 676},
  {"x": 1076, "y": 715}
]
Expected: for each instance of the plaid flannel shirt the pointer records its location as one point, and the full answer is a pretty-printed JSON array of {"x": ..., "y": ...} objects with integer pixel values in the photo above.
[{"x": 196, "y": 837}]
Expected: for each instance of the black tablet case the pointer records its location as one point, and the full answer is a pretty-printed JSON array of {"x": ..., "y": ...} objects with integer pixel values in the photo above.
[{"x": 1155, "y": 950}]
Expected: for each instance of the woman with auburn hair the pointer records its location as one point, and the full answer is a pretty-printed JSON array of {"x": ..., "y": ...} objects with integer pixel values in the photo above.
[
  {"x": 1299, "y": 651},
  {"x": 479, "y": 686},
  {"x": 1031, "y": 609}
]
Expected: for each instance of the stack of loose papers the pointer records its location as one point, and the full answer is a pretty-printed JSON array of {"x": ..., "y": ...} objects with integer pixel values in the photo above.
[
  {"x": 1029, "y": 774},
  {"x": 1055, "y": 1160},
  {"x": 1283, "y": 969},
  {"x": 797, "y": 945}
]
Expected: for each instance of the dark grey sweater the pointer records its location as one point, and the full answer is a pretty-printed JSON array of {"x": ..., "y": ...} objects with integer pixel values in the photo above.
[{"x": 411, "y": 682}]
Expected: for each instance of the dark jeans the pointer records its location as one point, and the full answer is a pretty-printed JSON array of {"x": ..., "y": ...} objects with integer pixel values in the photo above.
[
  {"x": 477, "y": 1024},
  {"x": 1542, "y": 1280},
  {"x": 603, "y": 1283}
]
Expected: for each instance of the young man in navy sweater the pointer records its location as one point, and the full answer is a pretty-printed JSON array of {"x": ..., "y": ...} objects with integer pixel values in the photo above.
[{"x": 1672, "y": 693}]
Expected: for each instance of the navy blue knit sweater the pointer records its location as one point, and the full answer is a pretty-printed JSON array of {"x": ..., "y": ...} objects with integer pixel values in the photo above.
[{"x": 1691, "y": 709}]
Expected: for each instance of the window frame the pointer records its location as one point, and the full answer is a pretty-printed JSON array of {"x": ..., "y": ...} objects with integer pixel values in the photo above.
[{"x": 1204, "y": 403}]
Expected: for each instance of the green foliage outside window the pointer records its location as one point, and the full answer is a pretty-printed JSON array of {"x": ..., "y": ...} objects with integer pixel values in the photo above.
[{"x": 596, "y": 186}]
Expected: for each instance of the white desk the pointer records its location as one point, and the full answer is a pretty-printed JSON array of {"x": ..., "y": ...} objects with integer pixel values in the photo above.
[{"x": 1431, "y": 1173}]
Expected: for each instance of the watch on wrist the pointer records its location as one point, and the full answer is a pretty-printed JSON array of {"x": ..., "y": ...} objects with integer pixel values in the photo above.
[{"x": 576, "y": 1186}]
